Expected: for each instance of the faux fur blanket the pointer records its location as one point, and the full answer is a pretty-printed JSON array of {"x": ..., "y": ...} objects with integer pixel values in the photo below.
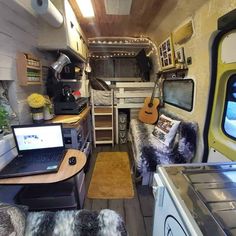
[
  {"x": 149, "y": 152},
  {"x": 79, "y": 223}
]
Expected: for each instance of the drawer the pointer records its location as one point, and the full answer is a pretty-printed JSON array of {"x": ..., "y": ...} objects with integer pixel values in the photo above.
[
  {"x": 80, "y": 185},
  {"x": 87, "y": 148},
  {"x": 82, "y": 192}
]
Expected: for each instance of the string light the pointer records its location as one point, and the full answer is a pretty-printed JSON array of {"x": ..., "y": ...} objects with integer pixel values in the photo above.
[
  {"x": 142, "y": 41},
  {"x": 128, "y": 54}
]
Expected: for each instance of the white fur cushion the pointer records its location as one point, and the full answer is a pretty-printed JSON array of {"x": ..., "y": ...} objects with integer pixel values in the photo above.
[{"x": 12, "y": 219}]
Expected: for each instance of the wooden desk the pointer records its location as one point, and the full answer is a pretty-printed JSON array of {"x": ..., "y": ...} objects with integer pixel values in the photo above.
[
  {"x": 65, "y": 171},
  {"x": 71, "y": 120}
]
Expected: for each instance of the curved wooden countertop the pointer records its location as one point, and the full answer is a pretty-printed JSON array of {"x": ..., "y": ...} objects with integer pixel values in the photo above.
[{"x": 65, "y": 171}]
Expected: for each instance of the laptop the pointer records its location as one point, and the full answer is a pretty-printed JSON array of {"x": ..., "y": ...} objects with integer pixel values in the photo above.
[{"x": 41, "y": 149}]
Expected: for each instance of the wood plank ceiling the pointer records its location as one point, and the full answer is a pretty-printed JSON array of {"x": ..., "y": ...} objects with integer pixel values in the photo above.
[{"x": 141, "y": 15}]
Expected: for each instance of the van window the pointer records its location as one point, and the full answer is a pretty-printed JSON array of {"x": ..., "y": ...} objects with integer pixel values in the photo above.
[{"x": 229, "y": 118}]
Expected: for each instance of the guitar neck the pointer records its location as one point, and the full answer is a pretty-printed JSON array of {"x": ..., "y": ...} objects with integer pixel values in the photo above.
[{"x": 153, "y": 92}]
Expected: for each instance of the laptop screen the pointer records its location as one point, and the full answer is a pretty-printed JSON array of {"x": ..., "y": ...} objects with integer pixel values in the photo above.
[{"x": 38, "y": 136}]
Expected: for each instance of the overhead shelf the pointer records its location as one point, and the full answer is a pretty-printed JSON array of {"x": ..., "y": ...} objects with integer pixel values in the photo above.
[{"x": 180, "y": 72}]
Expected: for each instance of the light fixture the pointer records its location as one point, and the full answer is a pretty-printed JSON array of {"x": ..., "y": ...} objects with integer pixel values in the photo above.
[
  {"x": 88, "y": 68},
  {"x": 86, "y": 8},
  {"x": 118, "y": 7}
]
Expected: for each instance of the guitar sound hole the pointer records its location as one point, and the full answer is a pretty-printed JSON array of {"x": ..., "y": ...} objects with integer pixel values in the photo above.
[
  {"x": 149, "y": 113},
  {"x": 150, "y": 105}
]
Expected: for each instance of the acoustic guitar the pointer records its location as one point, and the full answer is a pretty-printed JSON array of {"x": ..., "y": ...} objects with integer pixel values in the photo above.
[{"x": 148, "y": 113}]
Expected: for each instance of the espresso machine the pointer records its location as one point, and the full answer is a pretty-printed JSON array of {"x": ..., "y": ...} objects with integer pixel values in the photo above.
[{"x": 65, "y": 103}]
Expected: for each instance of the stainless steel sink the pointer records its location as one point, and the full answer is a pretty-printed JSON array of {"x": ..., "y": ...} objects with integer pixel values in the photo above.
[
  {"x": 209, "y": 192},
  {"x": 216, "y": 187}
]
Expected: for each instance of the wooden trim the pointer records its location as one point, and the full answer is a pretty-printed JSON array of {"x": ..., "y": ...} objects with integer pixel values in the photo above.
[
  {"x": 135, "y": 85},
  {"x": 130, "y": 94},
  {"x": 130, "y": 105},
  {"x": 71, "y": 120},
  {"x": 121, "y": 79}
]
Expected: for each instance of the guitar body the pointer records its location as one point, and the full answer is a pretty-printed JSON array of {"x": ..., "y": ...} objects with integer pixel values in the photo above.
[{"x": 148, "y": 113}]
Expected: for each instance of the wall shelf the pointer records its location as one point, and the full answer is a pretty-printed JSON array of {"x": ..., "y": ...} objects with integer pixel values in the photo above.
[
  {"x": 178, "y": 72},
  {"x": 29, "y": 69}
]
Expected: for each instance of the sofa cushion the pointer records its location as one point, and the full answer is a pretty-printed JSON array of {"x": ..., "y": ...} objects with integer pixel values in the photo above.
[
  {"x": 12, "y": 219},
  {"x": 149, "y": 151},
  {"x": 165, "y": 129}
]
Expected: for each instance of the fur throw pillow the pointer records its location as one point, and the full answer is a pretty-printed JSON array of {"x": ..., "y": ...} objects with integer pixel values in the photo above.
[
  {"x": 12, "y": 219},
  {"x": 99, "y": 84},
  {"x": 165, "y": 129}
]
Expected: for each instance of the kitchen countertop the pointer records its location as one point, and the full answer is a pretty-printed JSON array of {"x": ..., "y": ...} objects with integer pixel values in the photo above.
[{"x": 209, "y": 192}]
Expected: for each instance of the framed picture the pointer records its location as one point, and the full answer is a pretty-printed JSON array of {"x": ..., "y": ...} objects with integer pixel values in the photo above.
[
  {"x": 166, "y": 54},
  {"x": 179, "y": 55}
]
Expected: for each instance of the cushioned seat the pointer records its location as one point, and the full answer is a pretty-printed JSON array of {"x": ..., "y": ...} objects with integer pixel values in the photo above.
[
  {"x": 149, "y": 151},
  {"x": 15, "y": 220}
]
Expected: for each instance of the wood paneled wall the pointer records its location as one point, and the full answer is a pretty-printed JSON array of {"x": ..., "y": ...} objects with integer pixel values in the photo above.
[{"x": 115, "y": 67}]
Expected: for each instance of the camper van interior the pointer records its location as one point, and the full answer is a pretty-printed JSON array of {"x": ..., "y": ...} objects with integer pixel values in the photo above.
[{"x": 117, "y": 117}]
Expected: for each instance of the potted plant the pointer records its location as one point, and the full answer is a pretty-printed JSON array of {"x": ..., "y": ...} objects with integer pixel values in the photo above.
[{"x": 3, "y": 120}]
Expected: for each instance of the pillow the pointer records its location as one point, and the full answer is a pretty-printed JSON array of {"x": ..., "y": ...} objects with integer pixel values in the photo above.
[
  {"x": 99, "y": 84},
  {"x": 12, "y": 219},
  {"x": 165, "y": 129}
]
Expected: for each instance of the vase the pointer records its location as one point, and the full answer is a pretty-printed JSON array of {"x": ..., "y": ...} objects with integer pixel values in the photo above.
[
  {"x": 47, "y": 113},
  {"x": 1, "y": 133},
  {"x": 37, "y": 115}
]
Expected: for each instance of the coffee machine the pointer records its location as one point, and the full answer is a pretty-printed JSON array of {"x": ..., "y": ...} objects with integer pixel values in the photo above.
[
  {"x": 57, "y": 87},
  {"x": 66, "y": 103}
]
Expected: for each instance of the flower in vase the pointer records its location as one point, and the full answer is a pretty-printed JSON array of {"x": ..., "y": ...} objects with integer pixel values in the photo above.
[{"x": 36, "y": 100}]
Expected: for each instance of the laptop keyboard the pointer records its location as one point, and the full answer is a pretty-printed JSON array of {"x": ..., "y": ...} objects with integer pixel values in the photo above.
[
  {"x": 44, "y": 157},
  {"x": 33, "y": 162}
]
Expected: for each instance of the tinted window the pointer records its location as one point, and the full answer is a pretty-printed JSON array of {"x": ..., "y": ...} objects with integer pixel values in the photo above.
[
  {"x": 229, "y": 118},
  {"x": 179, "y": 93}
]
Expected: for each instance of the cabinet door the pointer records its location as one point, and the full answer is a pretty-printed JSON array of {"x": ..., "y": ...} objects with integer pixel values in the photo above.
[
  {"x": 167, "y": 220},
  {"x": 72, "y": 28}
]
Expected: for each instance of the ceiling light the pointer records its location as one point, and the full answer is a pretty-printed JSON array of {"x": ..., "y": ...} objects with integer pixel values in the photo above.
[
  {"x": 86, "y": 8},
  {"x": 118, "y": 7}
]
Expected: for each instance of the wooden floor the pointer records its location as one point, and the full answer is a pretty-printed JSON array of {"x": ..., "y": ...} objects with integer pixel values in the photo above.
[{"x": 137, "y": 212}]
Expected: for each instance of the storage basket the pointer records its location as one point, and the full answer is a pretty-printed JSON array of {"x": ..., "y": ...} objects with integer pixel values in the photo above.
[
  {"x": 123, "y": 134},
  {"x": 122, "y": 126},
  {"x": 123, "y": 140},
  {"x": 122, "y": 118}
]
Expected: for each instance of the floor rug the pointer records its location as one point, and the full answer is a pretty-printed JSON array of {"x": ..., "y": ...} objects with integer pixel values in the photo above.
[{"x": 111, "y": 177}]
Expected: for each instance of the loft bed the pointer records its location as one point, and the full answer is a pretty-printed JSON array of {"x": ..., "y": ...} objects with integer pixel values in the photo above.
[
  {"x": 127, "y": 95},
  {"x": 131, "y": 96}
]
